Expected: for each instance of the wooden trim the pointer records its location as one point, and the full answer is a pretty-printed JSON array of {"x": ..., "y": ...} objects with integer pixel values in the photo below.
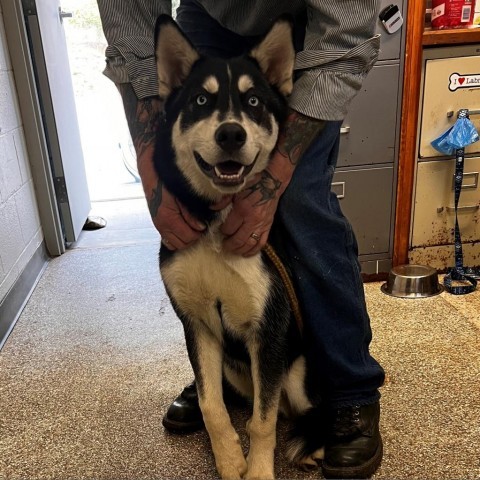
[
  {"x": 408, "y": 136},
  {"x": 451, "y": 37}
]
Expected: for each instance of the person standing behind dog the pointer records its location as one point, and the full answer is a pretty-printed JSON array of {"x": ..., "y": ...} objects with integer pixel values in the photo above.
[{"x": 336, "y": 48}]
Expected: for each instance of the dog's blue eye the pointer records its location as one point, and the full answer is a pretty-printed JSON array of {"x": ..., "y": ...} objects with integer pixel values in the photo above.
[
  {"x": 201, "y": 100},
  {"x": 253, "y": 101}
]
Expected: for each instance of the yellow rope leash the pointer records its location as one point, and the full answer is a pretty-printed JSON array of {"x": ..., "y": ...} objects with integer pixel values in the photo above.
[{"x": 292, "y": 296}]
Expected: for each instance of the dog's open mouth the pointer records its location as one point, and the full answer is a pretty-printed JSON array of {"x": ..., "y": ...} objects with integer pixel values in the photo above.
[{"x": 228, "y": 172}]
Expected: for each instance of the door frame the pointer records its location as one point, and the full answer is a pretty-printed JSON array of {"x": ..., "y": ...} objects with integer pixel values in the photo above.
[{"x": 33, "y": 126}]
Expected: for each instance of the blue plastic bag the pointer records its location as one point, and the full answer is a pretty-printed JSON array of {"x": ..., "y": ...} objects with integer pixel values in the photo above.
[{"x": 459, "y": 135}]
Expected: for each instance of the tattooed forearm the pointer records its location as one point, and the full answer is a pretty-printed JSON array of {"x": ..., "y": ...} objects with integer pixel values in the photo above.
[
  {"x": 297, "y": 134},
  {"x": 267, "y": 186},
  {"x": 142, "y": 115},
  {"x": 155, "y": 200}
]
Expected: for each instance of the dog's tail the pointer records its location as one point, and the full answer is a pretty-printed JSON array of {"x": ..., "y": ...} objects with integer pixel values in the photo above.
[{"x": 306, "y": 439}]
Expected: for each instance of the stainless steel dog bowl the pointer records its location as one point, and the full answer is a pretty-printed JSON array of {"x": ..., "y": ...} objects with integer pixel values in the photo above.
[{"x": 412, "y": 281}]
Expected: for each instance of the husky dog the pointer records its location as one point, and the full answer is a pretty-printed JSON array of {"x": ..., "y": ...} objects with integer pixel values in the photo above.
[{"x": 221, "y": 125}]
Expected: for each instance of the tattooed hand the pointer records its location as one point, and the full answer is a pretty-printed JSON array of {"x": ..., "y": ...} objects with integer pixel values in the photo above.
[
  {"x": 253, "y": 211},
  {"x": 177, "y": 227},
  {"x": 267, "y": 186},
  {"x": 254, "y": 208}
]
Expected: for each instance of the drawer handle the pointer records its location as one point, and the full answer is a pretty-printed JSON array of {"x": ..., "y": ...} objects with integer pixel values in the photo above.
[
  {"x": 464, "y": 207},
  {"x": 344, "y": 129},
  {"x": 339, "y": 184},
  {"x": 451, "y": 113},
  {"x": 474, "y": 176}
]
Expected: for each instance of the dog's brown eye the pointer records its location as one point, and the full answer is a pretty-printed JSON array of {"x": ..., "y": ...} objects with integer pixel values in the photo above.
[
  {"x": 201, "y": 100},
  {"x": 253, "y": 101}
]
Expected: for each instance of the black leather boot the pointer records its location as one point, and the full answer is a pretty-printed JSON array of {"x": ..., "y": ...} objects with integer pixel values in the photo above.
[
  {"x": 184, "y": 415},
  {"x": 354, "y": 446}
]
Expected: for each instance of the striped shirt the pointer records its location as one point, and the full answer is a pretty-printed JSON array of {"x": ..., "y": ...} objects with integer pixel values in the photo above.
[{"x": 339, "y": 49}]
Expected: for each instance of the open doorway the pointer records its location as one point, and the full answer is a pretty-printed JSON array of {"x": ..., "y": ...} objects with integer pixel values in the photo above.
[
  {"x": 116, "y": 193},
  {"x": 110, "y": 161}
]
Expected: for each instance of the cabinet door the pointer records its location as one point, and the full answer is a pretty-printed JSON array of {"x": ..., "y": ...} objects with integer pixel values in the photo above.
[
  {"x": 434, "y": 214},
  {"x": 366, "y": 200},
  {"x": 368, "y": 132}
]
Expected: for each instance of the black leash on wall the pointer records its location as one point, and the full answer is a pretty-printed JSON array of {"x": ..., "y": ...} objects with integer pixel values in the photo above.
[{"x": 459, "y": 272}]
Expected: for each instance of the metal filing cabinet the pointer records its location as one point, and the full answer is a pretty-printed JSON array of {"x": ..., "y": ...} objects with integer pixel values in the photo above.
[
  {"x": 369, "y": 129},
  {"x": 450, "y": 81},
  {"x": 365, "y": 177},
  {"x": 373, "y": 186}
]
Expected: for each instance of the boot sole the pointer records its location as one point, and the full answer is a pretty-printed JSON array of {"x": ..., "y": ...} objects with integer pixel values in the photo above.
[{"x": 366, "y": 470}]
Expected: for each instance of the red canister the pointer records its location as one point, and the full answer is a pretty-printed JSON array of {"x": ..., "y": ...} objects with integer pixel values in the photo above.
[{"x": 452, "y": 13}]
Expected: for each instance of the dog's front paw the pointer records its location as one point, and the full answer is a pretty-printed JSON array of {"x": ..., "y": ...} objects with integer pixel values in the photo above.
[
  {"x": 259, "y": 476},
  {"x": 229, "y": 459},
  {"x": 232, "y": 466},
  {"x": 260, "y": 467}
]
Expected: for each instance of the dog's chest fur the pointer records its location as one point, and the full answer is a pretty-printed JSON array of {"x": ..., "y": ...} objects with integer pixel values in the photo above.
[{"x": 220, "y": 289}]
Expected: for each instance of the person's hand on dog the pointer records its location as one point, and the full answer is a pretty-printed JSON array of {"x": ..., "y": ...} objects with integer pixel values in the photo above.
[
  {"x": 248, "y": 224},
  {"x": 177, "y": 227}
]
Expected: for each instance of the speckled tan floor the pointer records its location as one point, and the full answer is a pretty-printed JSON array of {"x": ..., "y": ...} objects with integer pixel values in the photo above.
[{"x": 97, "y": 356}]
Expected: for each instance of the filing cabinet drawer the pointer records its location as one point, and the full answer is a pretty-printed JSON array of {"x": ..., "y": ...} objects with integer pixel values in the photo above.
[
  {"x": 366, "y": 200},
  {"x": 442, "y": 257},
  {"x": 450, "y": 83},
  {"x": 369, "y": 130},
  {"x": 434, "y": 214},
  {"x": 390, "y": 44}
]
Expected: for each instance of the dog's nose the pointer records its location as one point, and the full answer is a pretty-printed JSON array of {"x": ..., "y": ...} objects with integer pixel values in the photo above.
[{"x": 230, "y": 137}]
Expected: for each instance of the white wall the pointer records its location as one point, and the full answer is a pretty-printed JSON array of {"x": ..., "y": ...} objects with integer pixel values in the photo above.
[{"x": 20, "y": 231}]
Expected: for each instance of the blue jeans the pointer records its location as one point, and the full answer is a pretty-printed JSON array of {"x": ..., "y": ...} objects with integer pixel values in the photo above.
[{"x": 311, "y": 231}]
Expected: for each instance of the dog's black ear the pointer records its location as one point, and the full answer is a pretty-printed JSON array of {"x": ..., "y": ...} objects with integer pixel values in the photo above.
[
  {"x": 174, "y": 53},
  {"x": 276, "y": 55}
]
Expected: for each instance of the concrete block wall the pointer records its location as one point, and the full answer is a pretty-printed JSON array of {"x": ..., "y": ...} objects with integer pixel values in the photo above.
[{"x": 20, "y": 230}]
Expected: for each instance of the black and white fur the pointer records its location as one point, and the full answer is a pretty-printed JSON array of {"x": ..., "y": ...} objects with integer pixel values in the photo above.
[{"x": 221, "y": 124}]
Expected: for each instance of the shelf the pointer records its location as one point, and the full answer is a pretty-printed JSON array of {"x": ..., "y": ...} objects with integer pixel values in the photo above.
[{"x": 450, "y": 37}]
